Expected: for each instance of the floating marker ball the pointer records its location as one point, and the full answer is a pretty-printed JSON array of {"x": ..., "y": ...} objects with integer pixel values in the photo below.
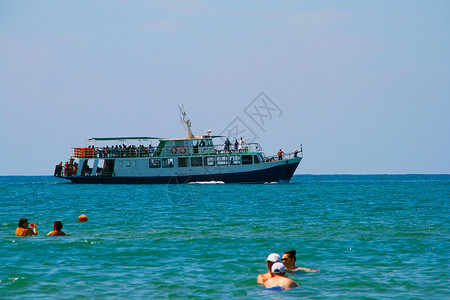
[{"x": 82, "y": 218}]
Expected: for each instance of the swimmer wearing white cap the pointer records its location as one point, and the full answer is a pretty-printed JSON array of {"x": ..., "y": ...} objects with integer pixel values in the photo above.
[
  {"x": 278, "y": 280},
  {"x": 271, "y": 259}
]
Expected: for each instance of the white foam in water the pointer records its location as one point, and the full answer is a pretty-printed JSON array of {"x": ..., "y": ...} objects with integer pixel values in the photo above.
[{"x": 207, "y": 182}]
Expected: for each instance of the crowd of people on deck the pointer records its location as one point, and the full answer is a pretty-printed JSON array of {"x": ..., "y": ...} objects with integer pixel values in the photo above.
[
  {"x": 123, "y": 151},
  {"x": 69, "y": 169},
  {"x": 238, "y": 146},
  {"x": 278, "y": 266}
]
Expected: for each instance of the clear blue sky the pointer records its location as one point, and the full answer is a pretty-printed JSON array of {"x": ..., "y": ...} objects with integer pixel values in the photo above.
[{"x": 364, "y": 86}]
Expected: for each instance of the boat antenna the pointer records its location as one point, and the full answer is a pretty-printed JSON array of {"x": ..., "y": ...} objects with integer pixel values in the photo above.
[{"x": 184, "y": 119}]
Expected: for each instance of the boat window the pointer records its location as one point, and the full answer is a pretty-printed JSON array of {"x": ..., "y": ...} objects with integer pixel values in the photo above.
[
  {"x": 196, "y": 162},
  {"x": 247, "y": 159},
  {"x": 235, "y": 160},
  {"x": 256, "y": 159},
  {"x": 183, "y": 162},
  {"x": 222, "y": 160},
  {"x": 131, "y": 163},
  {"x": 209, "y": 143},
  {"x": 120, "y": 163},
  {"x": 167, "y": 162},
  {"x": 202, "y": 143},
  {"x": 210, "y": 161},
  {"x": 154, "y": 163}
]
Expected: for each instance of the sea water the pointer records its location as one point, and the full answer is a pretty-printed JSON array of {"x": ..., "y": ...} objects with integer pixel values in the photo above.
[{"x": 373, "y": 236}]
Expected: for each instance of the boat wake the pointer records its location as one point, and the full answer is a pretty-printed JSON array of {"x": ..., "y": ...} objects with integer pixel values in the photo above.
[{"x": 207, "y": 182}]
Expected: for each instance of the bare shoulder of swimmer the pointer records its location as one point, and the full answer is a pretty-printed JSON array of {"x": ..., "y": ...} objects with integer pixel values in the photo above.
[
  {"x": 263, "y": 277},
  {"x": 282, "y": 281}
]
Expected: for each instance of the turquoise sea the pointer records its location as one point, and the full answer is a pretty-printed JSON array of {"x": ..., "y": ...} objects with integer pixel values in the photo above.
[{"x": 371, "y": 236}]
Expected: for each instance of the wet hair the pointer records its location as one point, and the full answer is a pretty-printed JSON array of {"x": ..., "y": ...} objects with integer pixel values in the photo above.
[
  {"x": 22, "y": 222},
  {"x": 291, "y": 254},
  {"x": 58, "y": 225}
]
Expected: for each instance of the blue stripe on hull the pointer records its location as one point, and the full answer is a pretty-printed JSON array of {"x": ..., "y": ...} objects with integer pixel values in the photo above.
[{"x": 274, "y": 174}]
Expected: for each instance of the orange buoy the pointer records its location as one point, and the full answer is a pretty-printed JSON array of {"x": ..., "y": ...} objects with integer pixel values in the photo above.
[{"x": 82, "y": 218}]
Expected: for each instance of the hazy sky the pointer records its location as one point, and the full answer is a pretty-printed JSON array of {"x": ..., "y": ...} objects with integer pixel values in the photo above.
[{"x": 363, "y": 85}]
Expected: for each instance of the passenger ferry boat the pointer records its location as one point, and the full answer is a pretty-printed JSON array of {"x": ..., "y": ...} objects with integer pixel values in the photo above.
[{"x": 183, "y": 160}]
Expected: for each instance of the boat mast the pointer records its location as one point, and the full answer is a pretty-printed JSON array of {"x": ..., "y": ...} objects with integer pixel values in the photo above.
[{"x": 184, "y": 119}]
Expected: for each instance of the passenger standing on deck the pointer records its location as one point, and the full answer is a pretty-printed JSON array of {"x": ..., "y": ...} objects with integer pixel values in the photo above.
[
  {"x": 271, "y": 259},
  {"x": 23, "y": 229},
  {"x": 289, "y": 259},
  {"x": 278, "y": 280},
  {"x": 57, "y": 226},
  {"x": 241, "y": 144},
  {"x": 280, "y": 154},
  {"x": 58, "y": 169},
  {"x": 236, "y": 146},
  {"x": 66, "y": 169},
  {"x": 226, "y": 145}
]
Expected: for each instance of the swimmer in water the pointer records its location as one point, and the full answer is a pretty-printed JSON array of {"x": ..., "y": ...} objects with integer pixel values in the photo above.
[
  {"x": 289, "y": 259},
  {"x": 271, "y": 259},
  {"x": 57, "y": 226},
  {"x": 23, "y": 229},
  {"x": 278, "y": 281}
]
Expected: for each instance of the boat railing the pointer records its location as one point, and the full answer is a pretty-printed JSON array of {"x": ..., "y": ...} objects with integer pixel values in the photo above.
[
  {"x": 105, "y": 152},
  {"x": 248, "y": 147},
  {"x": 284, "y": 156},
  {"x": 113, "y": 152}
]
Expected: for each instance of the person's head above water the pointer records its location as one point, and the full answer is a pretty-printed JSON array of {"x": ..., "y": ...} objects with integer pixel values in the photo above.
[
  {"x": 278, "y": 268},
  {"x": 57, "y": 225},
  {"x": 289, "y": 258},
  {"x": 23, "y": 223},
  {"x": 291, "y": 253},
  {"x": 273, "y": 258}
]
